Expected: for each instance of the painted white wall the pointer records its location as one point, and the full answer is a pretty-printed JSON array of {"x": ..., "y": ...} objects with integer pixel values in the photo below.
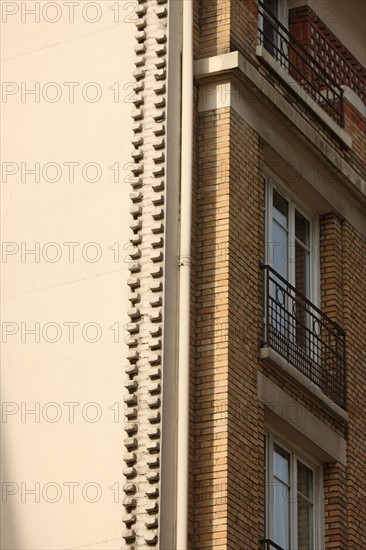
[{"x": 82, "y": 291}]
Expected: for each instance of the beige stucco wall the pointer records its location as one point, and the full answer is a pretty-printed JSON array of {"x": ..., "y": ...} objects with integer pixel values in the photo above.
[{"x": 50, "y": 451}]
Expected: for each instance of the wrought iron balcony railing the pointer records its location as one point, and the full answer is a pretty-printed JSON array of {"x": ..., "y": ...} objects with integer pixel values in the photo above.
[
  {"x": 306, "y": 337},
  {"x": 267, "y": 544},
  {"x": 300, "y": 64}
]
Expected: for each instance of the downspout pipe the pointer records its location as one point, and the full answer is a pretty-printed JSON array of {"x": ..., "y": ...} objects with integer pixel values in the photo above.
[{"x": 185, "y": 277}]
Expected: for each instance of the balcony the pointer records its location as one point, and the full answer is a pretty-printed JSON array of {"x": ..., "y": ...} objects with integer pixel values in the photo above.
[
  {"x": 329, "y": 52},
  {"x": 301, "y": 64},
  {"x": 304, "y": 336}
]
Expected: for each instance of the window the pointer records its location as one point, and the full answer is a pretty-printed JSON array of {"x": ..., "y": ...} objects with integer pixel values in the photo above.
[
  {"x": 292, "y": 496},
  {"x": 295, "y": 329},
  {"x": 290, "y": 241},
  {"x": 290, "y": 252}
]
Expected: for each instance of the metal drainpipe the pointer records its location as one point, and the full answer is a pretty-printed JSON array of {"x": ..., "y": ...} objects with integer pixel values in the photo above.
[{"x": 185, "y": 277}]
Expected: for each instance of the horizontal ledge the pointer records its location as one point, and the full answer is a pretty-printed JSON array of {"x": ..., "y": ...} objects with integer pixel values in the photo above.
[
  {"x": 210, "y": 66},
  {"x": 298, "y": 425},
  {"x": 275, "y": 358},
  {"x": 220, "y": 64}
]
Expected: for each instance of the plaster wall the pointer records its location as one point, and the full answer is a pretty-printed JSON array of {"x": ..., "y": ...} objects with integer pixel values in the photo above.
[{"x": 69, "y": 451}]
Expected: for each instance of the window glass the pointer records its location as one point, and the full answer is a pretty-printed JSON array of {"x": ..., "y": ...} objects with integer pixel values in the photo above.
[
  {"x": 281, "y": 520},
  {"x": 290, "y": 499},
  {"x": 289, "y": 252},
  {"x": 302, "y": 228},
  {"x": 304, "y": 525},
  {"x": 302, "y": 254},
  {"x": 304, "y": 481},
  {"x": 280, "y": 208},
  {"x": 281, "y": 464},
  {"x": 304, "y": 507},
  {"x": 301, "y": 269},
  {"x": 271, "y": 6},
  {"x": 279, "y": 236}
]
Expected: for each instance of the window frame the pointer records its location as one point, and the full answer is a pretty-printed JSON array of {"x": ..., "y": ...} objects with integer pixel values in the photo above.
[
  {"x": 297, "y": 454},
  {"x": 272, "y": 181}
]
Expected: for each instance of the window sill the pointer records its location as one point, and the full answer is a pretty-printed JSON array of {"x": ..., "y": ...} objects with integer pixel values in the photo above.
[
  {"x": 273, "y": 357},
  {"x": 304, "y": 96}
]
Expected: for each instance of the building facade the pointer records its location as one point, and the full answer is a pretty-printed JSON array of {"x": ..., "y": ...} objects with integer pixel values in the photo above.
[
  {"x": 184, "y": 195},
  {"x": 277, "y": 418}
]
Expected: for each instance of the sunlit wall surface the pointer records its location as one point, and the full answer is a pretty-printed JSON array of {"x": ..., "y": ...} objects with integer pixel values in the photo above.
[{"x": 66, "y": 101}]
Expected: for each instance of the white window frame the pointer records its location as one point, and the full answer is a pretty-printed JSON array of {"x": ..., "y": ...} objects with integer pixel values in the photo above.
[
  {"x": 295, "y": 203},
  {"x": 296, "y": 455}
]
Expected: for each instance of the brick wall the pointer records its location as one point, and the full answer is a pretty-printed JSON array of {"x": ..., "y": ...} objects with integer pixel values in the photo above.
[
  {"x": 354, "y": 289},
  {"x": 335, "y": 504},
  {"x": 227, "y": 495},
  {"x": 215, "y": 25},
  {"x": 228, "y": 285},
  {"x": 227, "y": 421},
  {"x": 331, "y": 287},
  {"x": 244, "y": 27},
  {"x": 246, "y": 437},
  {"x": 210, "y": 332}
]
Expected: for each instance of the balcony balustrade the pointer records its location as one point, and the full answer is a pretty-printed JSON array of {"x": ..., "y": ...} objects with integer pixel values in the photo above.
[
  {"x": 327, "y": 50},
  {"x": 303, "y": 335},
  {"x": 301, "y": 65}
]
